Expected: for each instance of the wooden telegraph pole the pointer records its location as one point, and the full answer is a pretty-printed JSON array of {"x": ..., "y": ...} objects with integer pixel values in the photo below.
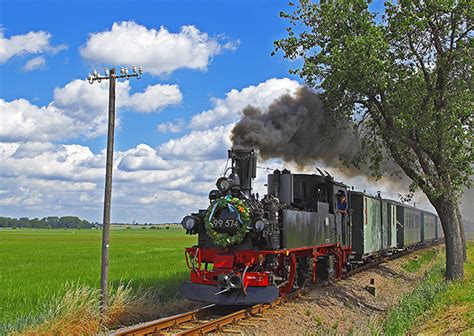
[
  {"x": 104, "y": 277},
  {"x": 112, "y": 77}
]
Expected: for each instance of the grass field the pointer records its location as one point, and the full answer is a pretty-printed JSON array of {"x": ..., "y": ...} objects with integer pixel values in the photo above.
[{"x": 36, "y": 264}]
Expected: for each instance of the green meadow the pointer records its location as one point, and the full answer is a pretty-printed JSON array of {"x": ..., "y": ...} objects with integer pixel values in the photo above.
[{"x": 36, "y": 264}]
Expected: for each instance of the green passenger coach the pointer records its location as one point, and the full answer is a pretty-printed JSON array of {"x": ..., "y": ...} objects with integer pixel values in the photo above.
[{"x": 373, "y": 225}]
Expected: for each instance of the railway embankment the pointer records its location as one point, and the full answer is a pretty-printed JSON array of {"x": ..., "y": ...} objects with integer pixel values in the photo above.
[
  {"x": 410, "y": 296},
  {"x": 452, "y": 311}
]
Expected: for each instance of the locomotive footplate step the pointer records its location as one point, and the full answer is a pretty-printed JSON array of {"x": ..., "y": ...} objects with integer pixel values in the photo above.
[{"x": 199, "y": 292}]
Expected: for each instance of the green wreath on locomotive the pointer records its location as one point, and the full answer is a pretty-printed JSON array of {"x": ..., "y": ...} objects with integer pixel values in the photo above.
[{"x": 224, "y": 239}]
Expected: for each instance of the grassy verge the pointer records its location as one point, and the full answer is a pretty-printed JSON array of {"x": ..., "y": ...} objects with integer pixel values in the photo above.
[
  {"x": 77, "y": 311},
  {"x": 453, "y": 312},
  {"x": 402, "y": 318},
  {"x": 434, "y": 305},
  {"x": 415, "y": 263},
  {"x": 36, "y": 267}
]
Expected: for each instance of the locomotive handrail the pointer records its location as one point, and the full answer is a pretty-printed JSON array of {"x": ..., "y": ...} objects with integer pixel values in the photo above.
[
  {"x": 193, "y": 260},
  {"x": 244, "y": 285}
]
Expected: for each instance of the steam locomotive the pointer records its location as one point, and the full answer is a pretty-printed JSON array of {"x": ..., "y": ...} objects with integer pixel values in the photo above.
[{"x": 308, "y": 228}]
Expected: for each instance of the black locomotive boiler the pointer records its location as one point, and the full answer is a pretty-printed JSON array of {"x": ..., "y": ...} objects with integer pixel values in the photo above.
[{"x": 307, "y": 228}]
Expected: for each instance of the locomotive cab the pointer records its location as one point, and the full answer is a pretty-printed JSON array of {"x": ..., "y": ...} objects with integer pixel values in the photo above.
[{"x": 316, "y": 202}]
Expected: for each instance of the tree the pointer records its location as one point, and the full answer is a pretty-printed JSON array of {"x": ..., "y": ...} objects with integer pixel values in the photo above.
[
  {"x": 52, "y": 221},
  {"x": 406, "y": 78},
  {"x": 24, "y": 222}
]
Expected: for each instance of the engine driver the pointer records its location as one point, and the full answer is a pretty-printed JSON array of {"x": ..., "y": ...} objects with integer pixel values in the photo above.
[{"x": 341, "y": 203}]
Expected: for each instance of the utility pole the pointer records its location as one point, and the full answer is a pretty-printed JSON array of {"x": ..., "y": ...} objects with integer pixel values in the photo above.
[
  {"x": 104, "y": 277},
  {"x": 112, "y": 77}
]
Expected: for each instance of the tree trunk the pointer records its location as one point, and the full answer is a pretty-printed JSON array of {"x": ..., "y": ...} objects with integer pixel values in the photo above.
[
  {"x": 447, "y": 212},
  {"x": 463, "y": 234}
]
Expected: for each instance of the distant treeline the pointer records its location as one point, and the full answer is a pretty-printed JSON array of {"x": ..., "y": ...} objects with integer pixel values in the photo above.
[{"x": 69, "y": 222}]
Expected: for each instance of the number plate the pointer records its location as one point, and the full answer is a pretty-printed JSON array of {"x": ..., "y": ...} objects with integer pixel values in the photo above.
[{"x": 226, "y": 222}]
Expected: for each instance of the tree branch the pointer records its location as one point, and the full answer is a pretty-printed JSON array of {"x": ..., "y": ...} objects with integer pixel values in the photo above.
[
  {"x": 453, "y": 29},
  {"x": 436, "y": 39},
  {"x": 421, "y": 63},
  {"x": 421, "y": 155},
  {"x": 461, "y": 36},
  {"x": 402, "y": 162}
]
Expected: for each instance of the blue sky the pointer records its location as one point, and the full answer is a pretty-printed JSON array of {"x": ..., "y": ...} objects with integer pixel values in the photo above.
[
  {"x": 204, "y": 61},
  {"x": 62, "y": 172},
  {"x": 254, "y": 23}
]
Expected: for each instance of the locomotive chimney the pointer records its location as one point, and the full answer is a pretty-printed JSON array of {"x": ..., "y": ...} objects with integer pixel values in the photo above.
[{"x": 244, "y": 164}]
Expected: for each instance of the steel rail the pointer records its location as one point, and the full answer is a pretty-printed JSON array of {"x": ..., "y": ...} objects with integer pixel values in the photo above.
[
  {"x": 219, "y": 323},
  {"x": 222, "y": 321},
  {"x": 164, "y": 323},
  {"x": 155, "y": 327}
]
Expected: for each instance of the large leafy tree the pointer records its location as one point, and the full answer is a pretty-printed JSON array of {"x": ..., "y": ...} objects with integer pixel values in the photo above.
[{"x": 405, "y": 75}]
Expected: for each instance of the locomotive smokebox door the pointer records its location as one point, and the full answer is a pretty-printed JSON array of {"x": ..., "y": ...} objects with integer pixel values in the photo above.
[{"x": 226, "y": 221}]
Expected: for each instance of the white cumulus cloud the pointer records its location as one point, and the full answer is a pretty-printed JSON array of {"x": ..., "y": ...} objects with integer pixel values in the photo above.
[
  {"x": 78, "y": 109},
  {"x": 152, "y": 184},
  {"x": 35, "y": 63},
  {"x": 40, "y": 179},
  {"x": 30, "y": 43},
  {"x": 207, "y": 144},
  {"x": 158, "y": 51},
  {"x": 142, "y": 157},
  {"x": 22, "y": 120},
  {"x": 171, "y": 126},
  {"x": 154, "y": 98},
  {"x": 228, "y": 109}
]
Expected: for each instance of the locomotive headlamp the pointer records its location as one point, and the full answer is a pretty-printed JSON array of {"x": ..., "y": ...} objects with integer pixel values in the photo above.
[
  {"x": 259, "y": 224},
  {"x": 189, "y": 222},
  {"x": 223, "y": 184},
  {"x": 214, "y": 194}
]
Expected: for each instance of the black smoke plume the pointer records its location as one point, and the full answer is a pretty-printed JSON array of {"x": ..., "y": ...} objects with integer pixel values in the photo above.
[{"x": 297, "y": 129}]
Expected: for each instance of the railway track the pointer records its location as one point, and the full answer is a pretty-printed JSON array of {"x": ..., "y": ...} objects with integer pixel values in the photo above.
[
  {"x": 214, "y": 318},
  {"x": 202, "y": 320}
]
